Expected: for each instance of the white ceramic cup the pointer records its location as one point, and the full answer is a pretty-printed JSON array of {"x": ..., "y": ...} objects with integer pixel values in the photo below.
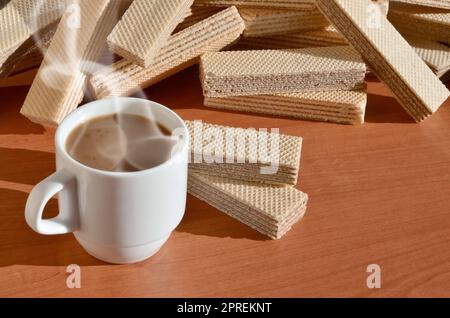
[{"x": 118, "y": 217}]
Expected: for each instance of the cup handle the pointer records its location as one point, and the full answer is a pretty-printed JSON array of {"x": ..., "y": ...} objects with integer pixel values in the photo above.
[{"x": 68, "y": 218}]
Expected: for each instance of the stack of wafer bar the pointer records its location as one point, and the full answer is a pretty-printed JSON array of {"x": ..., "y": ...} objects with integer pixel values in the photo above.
[
  {"x": 182, "y": 50},
  {"x": 270, "y": 210},
  {"x": 420, "y": 21},
  {"x": 244, "y": 154},
  {"x": 139, "y": 40},
  {"x": 155, "y": 45},
  {"x": 264, "y": 22},
  {"x": 389, "y": 55},
  {"x": 247, "y": 174},
  {"x": 243, "y": 73},
  {"x": 59, "y": 85}
]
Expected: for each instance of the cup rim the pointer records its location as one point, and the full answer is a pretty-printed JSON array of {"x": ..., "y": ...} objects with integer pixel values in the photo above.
[{"x": 60, "y": 142}]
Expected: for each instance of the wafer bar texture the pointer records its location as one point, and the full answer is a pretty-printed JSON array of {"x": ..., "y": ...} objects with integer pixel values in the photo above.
[
  {"x": 30, "y": 53},
  {"x": 342, "y": 107},
  {"x": 383, "y": 5},
  {"x": 181, "y": 51},
  {"x": 307, "y": 5},
  {"x": 246, "y": 154},
  {"x": 434, "y": 54},
  {"x": 14, "y": 31},
  {"x": 22, "y": 61},
  {"x": 145, "y": 28},
  {"x": 442, "y": 4},
  {"x": 268, "y": 209},
  {"x": 241, "y": 73},
  {"x": 264, "y": 22},
  {"x": 59, "y": 84},
  {"x": 240, "y": 212},
  {"x": 392, "y": 59},
  {"x": 294, "y": 40},
  {"x": 30, "y": 60},
  {"x": 197, "y": 14},
  {"x": 21, "y": 19},
  {"x": 327, "y": 36},
  {"x": 425, "y": 22}
]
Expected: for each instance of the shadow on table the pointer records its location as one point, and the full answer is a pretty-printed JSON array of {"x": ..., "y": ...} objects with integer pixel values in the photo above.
[
  {"x": 11, "y": 121},
  {"x": 25, "y": 166},
  {"x": 202, "y": 219},
  {"x": 385, "y": 109},
  {"x": 175, "y": 94},
  {"x": 19, "y": 244}
]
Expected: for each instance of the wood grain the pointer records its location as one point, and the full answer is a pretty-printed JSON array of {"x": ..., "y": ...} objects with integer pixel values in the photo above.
[{"x": 379, "y": 193}]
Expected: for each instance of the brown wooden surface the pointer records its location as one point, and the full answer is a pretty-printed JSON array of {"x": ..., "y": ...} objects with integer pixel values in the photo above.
[{"x": 379, "y": 193}]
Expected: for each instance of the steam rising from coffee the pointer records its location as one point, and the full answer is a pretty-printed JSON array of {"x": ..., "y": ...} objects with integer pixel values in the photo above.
[
  {"x": 70, "y": 58},
  {"x": 122, "y": 142},
  {"x": 113, "y": 142}
]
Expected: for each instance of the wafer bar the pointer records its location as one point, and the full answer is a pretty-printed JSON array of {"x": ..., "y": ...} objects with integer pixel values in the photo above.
[
  {"x": 182, "y": 50},
  {"x": 443, "y": 4},
  {"x": 307, "y": 5},
  {"x": 58, "y": 87},
  {"x": 317, "y": 38},
  {"x": 29, "y": 55},
  {"x": 392, "y": 59},
  {"x": 239, "y": 211},
  {"x": 428, "y": 23},
  {"x": 145, "y": 27},
  {"x": 434, "y": 54},
  {"x": 31, "y": 60},
  {"x": 264, "y": 22},
  {"x": 197, "y": 14},
  {"x": 245, "y": 173},
  {"x": 327, "y": 36},
  {"x": 22, "y": 62},
  {"x": 343, "y": 107},
  {"x": 270, "y": 210},
  {"x": 383, "y": 5},
  {"x": 240, "y": 73},
  {"x": 14, "y": 31},
  {"x": 246, "y": 154}
]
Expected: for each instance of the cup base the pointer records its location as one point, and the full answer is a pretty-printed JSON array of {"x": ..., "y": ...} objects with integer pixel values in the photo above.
[{"x": 122, "y": 255}]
